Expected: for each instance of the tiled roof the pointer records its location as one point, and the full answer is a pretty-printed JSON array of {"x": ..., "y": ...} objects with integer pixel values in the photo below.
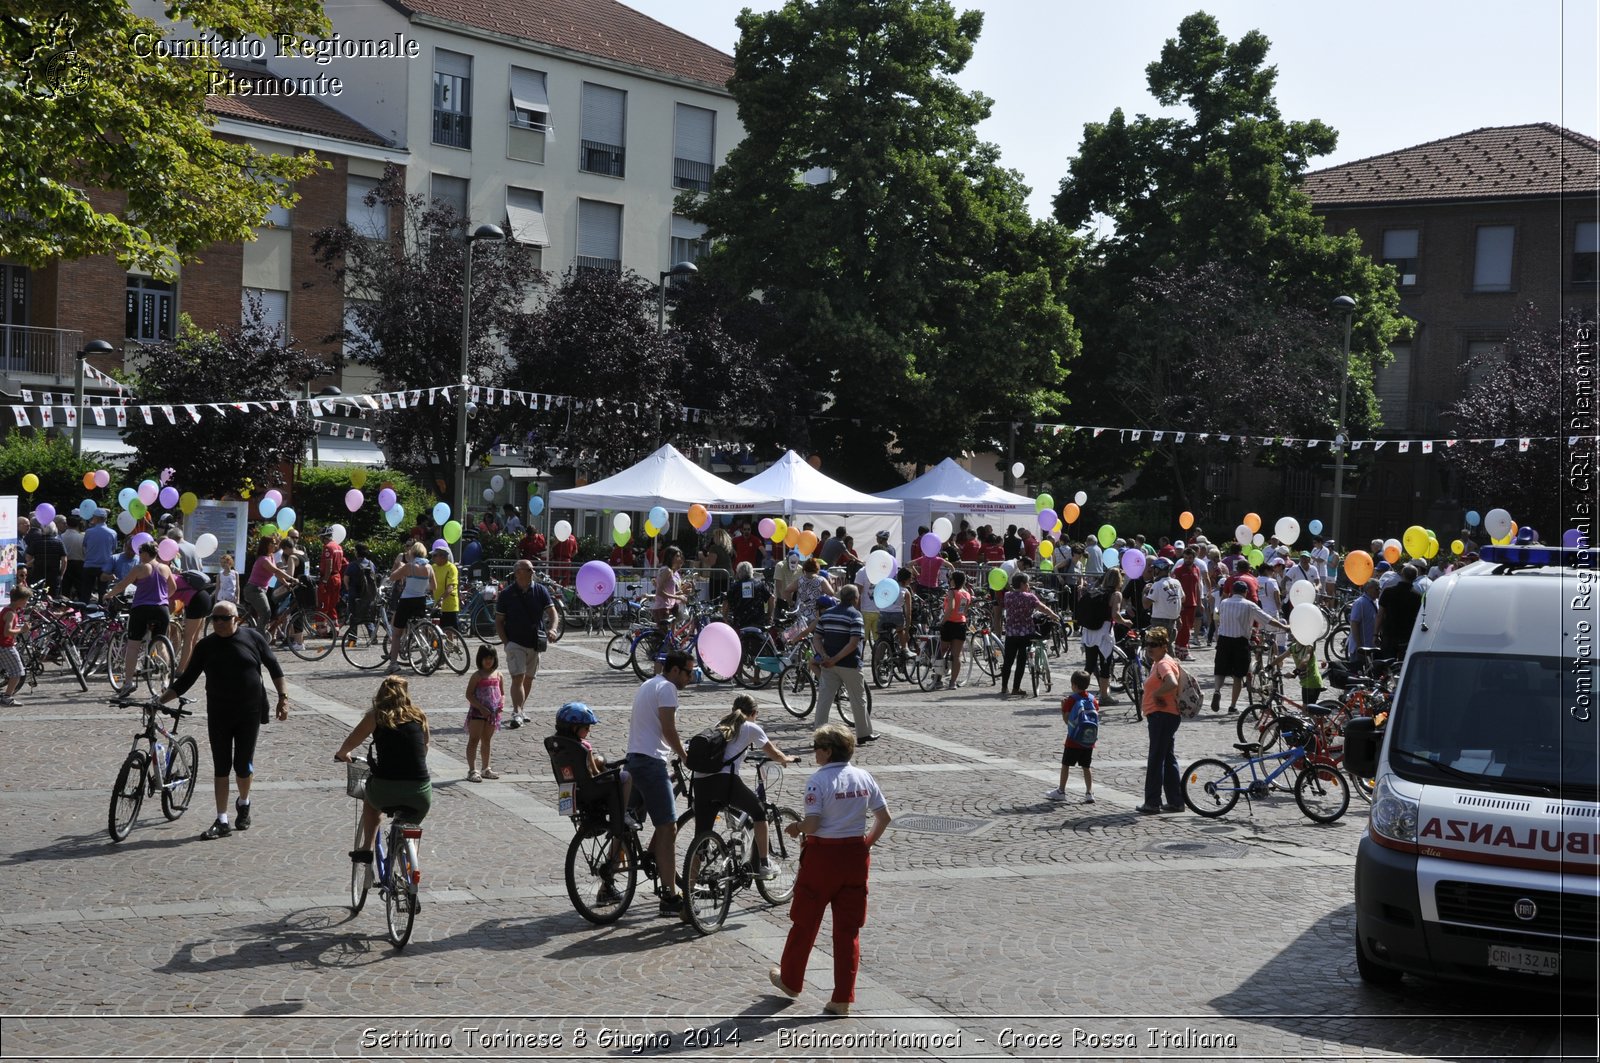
[
  {"x": 1497, "y": 163},
  {"x": 303, "y": 114},
  {"x": 601, "y": 28}
]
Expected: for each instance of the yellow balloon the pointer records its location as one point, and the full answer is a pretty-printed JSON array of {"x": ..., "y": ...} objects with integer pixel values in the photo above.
[
  {"x": 30, "y": 482},
  {"x": 188, "y": 502},
  {"x": 1046, "y": 548},
  {"x": 1458, "y": 547},
  {"x": 780, "y": 530},
  {"x": 358, "y": 478},
  {"x": 650, "y": 529}
]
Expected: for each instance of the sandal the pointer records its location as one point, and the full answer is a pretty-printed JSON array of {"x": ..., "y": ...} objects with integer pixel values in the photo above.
[
  {"x": 490, "y": 773},
  {"x": 473, "y": 776}
]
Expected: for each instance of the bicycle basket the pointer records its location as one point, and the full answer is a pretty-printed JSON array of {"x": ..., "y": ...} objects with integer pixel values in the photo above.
[{"x": 355, "y": 778}]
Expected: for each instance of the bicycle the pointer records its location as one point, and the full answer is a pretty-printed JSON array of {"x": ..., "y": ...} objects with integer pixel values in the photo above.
[
  {"x": 1212, "y": 787},
  {"x": 797, "y": 686},
  {"x": 396, "y": 866},
  {"x": 720, "y": 864},
  {"x": 156, "y": 664},
  {"x": 479, "y": 613},
  {"x": 1039, "y": 656},
  {"x": 166, "y": 765},
  {"x": 604, "y": 858}
]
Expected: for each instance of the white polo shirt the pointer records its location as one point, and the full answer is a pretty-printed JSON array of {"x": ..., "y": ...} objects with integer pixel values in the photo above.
[{"x": 842, "y": 794}]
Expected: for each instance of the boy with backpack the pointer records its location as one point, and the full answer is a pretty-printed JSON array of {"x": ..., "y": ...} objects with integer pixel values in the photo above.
[{"x": 1082, "y": 715}]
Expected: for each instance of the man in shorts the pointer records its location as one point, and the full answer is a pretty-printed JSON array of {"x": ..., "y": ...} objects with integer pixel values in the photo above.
[
  {"x": 522, "y": 613},
  {"x": 652, "y": 738}
]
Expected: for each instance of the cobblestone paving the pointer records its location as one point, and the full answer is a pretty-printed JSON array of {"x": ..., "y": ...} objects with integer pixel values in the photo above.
[{"x": 1041, "y": 931}]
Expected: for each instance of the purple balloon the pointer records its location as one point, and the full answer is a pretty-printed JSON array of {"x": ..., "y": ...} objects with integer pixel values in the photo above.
[
  {"x": 595, "y": 582},
  {"x": 1133, "y": 562},
  {"x": 386, "y": 499},
  {"x": 45, "y": 512},
  {"x": 169, "y": 498},
  {"x": 140, "y": 539},
  {"x": 930, "y": 544},
  {"x": 1572, "y": 538},
  {"x": 1047, "y": 519}
]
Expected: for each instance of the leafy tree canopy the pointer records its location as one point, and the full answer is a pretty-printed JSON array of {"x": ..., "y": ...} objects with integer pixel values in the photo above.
[
  {"x": 213, "y": 456},
  {"x": 914, "y": 299},
  {"x": 86, "y": 103}
]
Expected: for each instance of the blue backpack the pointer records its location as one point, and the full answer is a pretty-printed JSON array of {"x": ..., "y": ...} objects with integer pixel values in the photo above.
[{"x": 1083, "y": 720}]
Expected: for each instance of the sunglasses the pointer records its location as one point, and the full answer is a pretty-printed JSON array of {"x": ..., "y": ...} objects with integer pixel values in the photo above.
[{"x": 220, "y": 618}]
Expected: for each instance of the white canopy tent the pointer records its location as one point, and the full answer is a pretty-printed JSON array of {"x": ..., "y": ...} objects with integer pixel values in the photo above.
[
  {"x": 808, "y": 495},
  {"x": 666, "y": 479},
  {"x": 947, "y": 488}
]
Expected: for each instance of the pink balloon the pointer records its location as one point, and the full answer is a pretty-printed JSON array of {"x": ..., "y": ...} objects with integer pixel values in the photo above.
[
  {"x": 353, "y": 499},
  {"x": 169, "y": 497},
  {"x": 101, "y": 477},
  {"x": 1133, "y": 561},
  {"x": 766, "y": 527},
  {"x": 718, "y": 647},
  {"x": 149, "y": 492},
  {"x": 596, "y": 581},
  {"x": 274, "y": 494},
  {"x": 167, "y": 549}
]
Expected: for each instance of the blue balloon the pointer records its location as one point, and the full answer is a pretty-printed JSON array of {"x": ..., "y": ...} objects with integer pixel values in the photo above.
[
  {"x": 128, "y": 494},
  {"x": 87, "y": 507},
  {"x": 1109, "y": 557},
  {"x": 441, "y": 512},
  {"x": 657, "y": 516},
  {"x": 1316, "y": 527},
  {"x": 535, "y": 506},
  {"x": 395, "y": 515},
  {"x": 1472, "y": 518},
  {"x": 885, "y": 593}
]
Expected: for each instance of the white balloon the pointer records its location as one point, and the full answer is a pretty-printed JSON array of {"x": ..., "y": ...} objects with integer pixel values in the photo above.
[
  {"x": 337, "y": 532},
  {"x": 562, "y": 531},
  {"x": 488, "y": 494},
  {"x": 1288, "y": 530},
  {"x": 1242, "y": 534},
  {"x": 880, "y": 566},
  {"x": 206, "y": 545},
  {"x": 1017, "y": 470},
  {"x": 1303, "y": 592},
  {"x": 497, "y": 481},
  {"x": 621, "y": 522},
  {"x": 1307, "y": 624},
  {"x": 1257, "y": 539},
  {"x": 1081, "y": 498},
  {"x": 126, "y": 523},
  {"x": 942, "y": 528},
  {"x": 1497, "y": 522}
]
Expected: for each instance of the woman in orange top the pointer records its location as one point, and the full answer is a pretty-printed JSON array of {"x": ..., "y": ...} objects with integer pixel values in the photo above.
[
  {"x": 953, "y": 628},
  {"x": 1161, "y": 713}
]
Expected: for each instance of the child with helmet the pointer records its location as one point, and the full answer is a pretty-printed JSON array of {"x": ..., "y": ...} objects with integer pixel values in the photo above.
[{"x": 574, "y": 720}]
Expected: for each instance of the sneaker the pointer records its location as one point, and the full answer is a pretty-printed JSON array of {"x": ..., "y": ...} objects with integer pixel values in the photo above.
[
  {"x": 607, "y": 895},
  {"x": 837, "y": 1007},
  {"x": 671, "y": 907},
  {"x": 1148, "y": 810},
  {"x": 1233, "y": 710},
  {"x": 473, "y": 776},
  {"x": 633, "y": 821},
  {"x": 1057, "y": 794},
  {"x": 775, "y": 976},
  {"x": 361, "y": 856},
  {"x": 1088, "y": 799},
  {"x": 241, "y": 816},
  {"x": 514, "y": 723},
  {"x": 297, "y": 647},
  {"x": 1216, "y": 701},
  {"x": 219, "y": 829},
  {"x": 1109, "y": 699},
  {"x": 766, "y": 871},
  {"x": 958, "y": 683},
  {"x": 490, "y": 774},
  {"x": 1172, "y": 808},
  {"x": 938, "y": 683},
  {"x": 7, "y": 699}
]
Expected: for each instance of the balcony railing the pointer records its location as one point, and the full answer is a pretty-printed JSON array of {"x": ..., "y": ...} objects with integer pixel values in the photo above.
[
  {"x": 604, "y": 265},
  {"x": 601, "y": 158},
  {"x": 695, "y": 176},
  {"x": 452, "y": 129},
  {"x": 39, "y": 351}
]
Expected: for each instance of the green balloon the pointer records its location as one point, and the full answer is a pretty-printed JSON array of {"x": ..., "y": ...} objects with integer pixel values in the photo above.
[
  {"x": 621, "y": 536},
  {"x": 1046, "y": 565},
  {"x": 452, "y": 531},
  {"x": 997, "y": 579},
  {"x": 1256, "y": 557},
  {"x": 268, "y": 530},
  {"x": 1044, "y": 501},
  {"x": 1106, "y": 535},
  {"x": 137, "y": 508}
]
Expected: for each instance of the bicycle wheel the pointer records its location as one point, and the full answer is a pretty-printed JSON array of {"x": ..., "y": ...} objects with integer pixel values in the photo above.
[
  {"x": 360, "y": 875},
  {"x": 126, "y": 796},
  {"x": 1253, "y": 722},
  {"x": 988, "y": 654},
  {"x": 454, "y": 653},
  {"x": 317, "y": 640},
  {"x": 1322, "y": 793},
  {"x": 399, "y": 900},
  {"x": 180, "y": 776},
  {"x": 841, "y": 704},
  {"x": 882, "y": 664},
  {"x": 1210, "y": 787},
  {"x": 94, "y": 643},
  {"x": 75, "y": 662},
  {"x": 364, "y": 649},
  {"x": 797, "y": 690},
  {"x": 617, "y": 651},
  {"x": 919, "y": 669},
  {"x": 708, "y": 875},
  {"x": 1362, "y": 786},
  {"x": 481, "y": 624},
  {"x": 423, "y": 647},
  {"x": 757, "y": 677},
  {"x": 160, "y": 665},
  {"x": 783, "y": 853},
  {"x": 1044, "y": 667},
  {"x": 600, "y": 881},
  {"x": 116, "y": 660},
  {"x": 1336, "y": 646},
  {"x": 642, "y": 657},
  {"x": 1033, "y": 673}
]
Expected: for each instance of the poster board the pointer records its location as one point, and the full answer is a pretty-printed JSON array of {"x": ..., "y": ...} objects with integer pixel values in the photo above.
[
  {"x": 10, "y": 548},
  {"x": 228, "y": 521}
]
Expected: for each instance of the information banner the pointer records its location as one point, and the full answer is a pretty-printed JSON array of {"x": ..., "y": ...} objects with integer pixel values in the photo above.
[
  {"x": 228, "y": 521},
  {"x": 9, "y": 546}
]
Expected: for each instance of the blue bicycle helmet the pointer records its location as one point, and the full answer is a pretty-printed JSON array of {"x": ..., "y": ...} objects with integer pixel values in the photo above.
[{"x": 577, "y": 714}]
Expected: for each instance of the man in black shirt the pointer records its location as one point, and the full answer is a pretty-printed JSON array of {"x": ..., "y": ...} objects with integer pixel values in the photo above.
[
  {"x": 1012, "y": 544},
  {"x": 523, "y": 611},
  {"x": 1397, "y": 613},
  {"x": 231, "y": 659}
]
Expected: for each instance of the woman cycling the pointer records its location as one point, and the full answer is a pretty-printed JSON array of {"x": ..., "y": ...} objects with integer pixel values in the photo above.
[
  {"x": 417, "y": 583},
  {"x": 714, "y": 791},
  {"x": 153, "y": 588},
  {"x": 262, "y": 571},
  {"x": 399, "y": 732}
]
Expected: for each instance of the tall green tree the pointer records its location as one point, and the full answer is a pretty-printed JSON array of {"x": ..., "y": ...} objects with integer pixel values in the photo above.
[
  {"x": 90, "y": 103},
  {"x": 1173, "y": 197},
  {"x": 915, "y": 302}
]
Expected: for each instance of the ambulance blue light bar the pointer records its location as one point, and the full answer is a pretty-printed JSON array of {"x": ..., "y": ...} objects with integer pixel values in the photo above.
[{"x": 1526, "y": 556}]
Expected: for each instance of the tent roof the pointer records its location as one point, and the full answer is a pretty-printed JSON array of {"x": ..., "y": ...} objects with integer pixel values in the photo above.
[
  {"x": 948, "y": 486},
  {"x": 667, "y": 479},
  {"x": 803, "y": 489}
]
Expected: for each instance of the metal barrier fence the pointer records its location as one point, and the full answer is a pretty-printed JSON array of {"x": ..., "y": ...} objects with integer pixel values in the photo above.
[{"x": 632, "y": 582}]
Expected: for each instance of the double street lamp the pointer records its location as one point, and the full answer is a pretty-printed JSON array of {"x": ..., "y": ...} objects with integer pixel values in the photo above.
[
  {"x": 458, "y": 495},
  {"x": 1347, "y": 307},
  {"x": 93, "y": 347}
]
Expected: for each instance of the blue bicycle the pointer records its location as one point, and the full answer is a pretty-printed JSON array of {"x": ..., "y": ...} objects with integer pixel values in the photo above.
[
  {"x": 395, "y": 866},
  {"x": 1211, "y": 787}
]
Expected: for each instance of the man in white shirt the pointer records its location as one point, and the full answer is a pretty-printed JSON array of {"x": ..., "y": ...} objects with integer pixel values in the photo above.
[
  {"x": 652, "y": 738},
  {"x": 868, "y": 607},
  {"x": 1235, "y": 617},
  {"x": 1164, "y": 596},
  {"x": 1322, "y": 557}
]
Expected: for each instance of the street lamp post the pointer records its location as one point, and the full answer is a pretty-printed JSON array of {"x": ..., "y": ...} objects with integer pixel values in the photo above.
[
  {"x": 1346, "y": 306},
  {"x": 92, "y": 347},
  {"x": 329, "y": 392},
  {"x": 458, "y": 495},
  {"x": 680, "y": 269}
]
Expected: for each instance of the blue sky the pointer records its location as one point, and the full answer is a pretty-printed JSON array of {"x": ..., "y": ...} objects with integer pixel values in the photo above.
[{"x": 1386, "y": 75}]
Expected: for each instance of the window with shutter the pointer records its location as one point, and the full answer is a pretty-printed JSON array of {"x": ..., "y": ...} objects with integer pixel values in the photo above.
[
  {"x": 1393, "y": 388},
  {"x": 151, "y": 308},
  {"x": 525, "y": 216},
  {"x": 688, "y": 241},
  {"x": 599, "y": 235},
  {"x": 1400, "y": 251},
  {"x": 693, "y": 140},
  {"x": 451, "y": 191},
  {"x": 530, "y": 101},
  {"x": 1491, "y": 271},
  {"x": 603, "y": 137},
  {"x": 274, "y": 312},
  {"x": 370, "y": 221}
]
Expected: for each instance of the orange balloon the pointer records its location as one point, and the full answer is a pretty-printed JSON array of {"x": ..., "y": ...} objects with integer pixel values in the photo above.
[
  {"x": 792, "y": 537},
  {"x": 1071, "y": 512},
  {"x": 1391, "y": 553},
  {"x": 697, "y": 514},
  {"x": 88, "y": 481},
  {"x": 1358, "y": 566},
  {"x": 807, "y": 543},
  {"x": 1186, "y": 520},
  {"x": 1252, "y": 521}
]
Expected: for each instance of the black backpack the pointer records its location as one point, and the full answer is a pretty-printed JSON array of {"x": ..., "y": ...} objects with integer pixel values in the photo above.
[
  {"x": 708, "y": 751},
  {"x": 1093, "y": 610}
]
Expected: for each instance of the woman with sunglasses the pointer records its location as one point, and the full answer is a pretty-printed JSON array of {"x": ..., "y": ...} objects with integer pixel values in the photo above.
[{"x": 231, "y": 659}]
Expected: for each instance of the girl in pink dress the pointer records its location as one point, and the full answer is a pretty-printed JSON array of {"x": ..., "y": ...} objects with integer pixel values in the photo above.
[{"x": 485, "y": 699}]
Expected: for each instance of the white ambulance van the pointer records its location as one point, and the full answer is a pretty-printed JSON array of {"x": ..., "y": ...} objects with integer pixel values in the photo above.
[{"x": 1481, "y": 860}]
